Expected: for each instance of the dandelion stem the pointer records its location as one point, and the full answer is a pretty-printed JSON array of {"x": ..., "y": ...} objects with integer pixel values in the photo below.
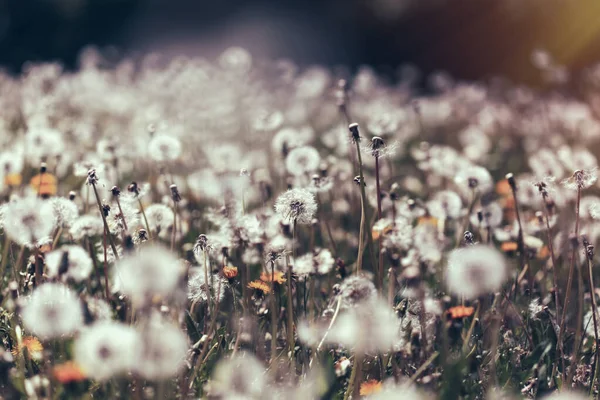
[
  {"x": 145, "y": 218},
  {"x": 273, "y": 314},
  {"x": 569, "y": 284},
  {"x": 290, "y": 303},
  {"x": 363, "y": 204},
  {"x": 110, "y": 238},
  {"x": 379, "y": 214},
  {"x": 595, "y": 319},
  {"x": 4, "y": 261}
]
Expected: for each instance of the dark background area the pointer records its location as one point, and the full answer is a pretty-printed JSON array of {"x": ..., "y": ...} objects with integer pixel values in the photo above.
[{"x": 471, "y": 39}]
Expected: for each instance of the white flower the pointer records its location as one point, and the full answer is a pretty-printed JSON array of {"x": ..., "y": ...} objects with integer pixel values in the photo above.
[
  {"x": 107, "y": 349},
  {"x": 491, "y": 214},
  {"x": 87, "y": 226},
  {"x": 69, "y": 262},
  {"x": 160, "y": 217},
  {"x": 163, "y": 350},
  {"x": 445, "y": 204},
  {"x": 164, "y": 148},
  {"x": 475, "y": 270},
  {"x": 154, "y": 271},
  {"x": 28, "y": 220},
  {"x": 356, "y": 290},
  {"x": 474, "y": 178},
  {"x": 65, "y": 211},
  {"x": 240, "y": 377},
  {"x": 302, "y": 160},
  {"x": 198, "y": 289},
  {"x": 53, "y": 310},
  {"x": 296, "y": 205},
  {"x": 369, "y": 327}
]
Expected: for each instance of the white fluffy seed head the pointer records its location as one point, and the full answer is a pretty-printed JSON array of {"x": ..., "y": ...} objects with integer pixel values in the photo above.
[
  {"x": 69, "y": 262},
  {"x": 29, "y": 219},
  {"x": 154, "y": 271},
  {"x": 52, "y": 311},
  {"x": 107, "y": 349},
  {"x": 475, "y": 270},
  {"x": 296, "y": 205}
]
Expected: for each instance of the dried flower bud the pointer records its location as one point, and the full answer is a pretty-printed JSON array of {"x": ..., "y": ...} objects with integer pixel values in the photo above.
[
  {"x": 511, "y": 181},
  {"x": 469, "y": 238},
  {"x": 589, "y": 248},
  {"x": 105, "y": 209},
  {"x": 72, "y": 195},
  {"x": 376, "y": 144},
  {"x": 92, "y": 178},
  {"x": 43, "y": 168},
  {"x": 134, "y": 188},
  {"x": 115, "y": 191},
  {"x": 354, "y": 132},
  {"x": 175, "y": 193},
  {"x": 357, "y": 181}
]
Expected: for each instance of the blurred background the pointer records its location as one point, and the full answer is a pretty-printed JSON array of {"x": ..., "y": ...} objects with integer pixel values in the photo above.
[{"x": 471, "y": 39}]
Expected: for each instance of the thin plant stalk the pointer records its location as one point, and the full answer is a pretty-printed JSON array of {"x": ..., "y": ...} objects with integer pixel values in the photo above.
[
  {"x": 145, "y": 218},
  {"x": 595, "y": 320},
  {"x": 110, "y": 238},
  {"x": 4, "y": 261},
  {"x": 379, "y": 215},
  {"x": 174, "y": 233},
  {"x": 290, "y": 303},
  {"x": 274, "y": 314},
  {"x": 569, "y": 284}
]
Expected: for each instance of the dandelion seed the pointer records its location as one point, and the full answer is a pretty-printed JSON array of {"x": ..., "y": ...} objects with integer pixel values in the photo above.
[
  {"x": 86, "y": 226},
  {"x": 154, "y": 271},
  {"x": 296, "y": 205},
  {"x": 69, "y": 262},
  {"x": 107, "y": 349},
  {"x": 302, "y": 160},
  {"x": 28, "y": 220},
  {"x": 475, "y": 270},
  {"x": 53, "y": 310},
  {"x": 199, "y": 290},
  {"x": 163, "y": 350},
  {"x": 164, "y": 148}
]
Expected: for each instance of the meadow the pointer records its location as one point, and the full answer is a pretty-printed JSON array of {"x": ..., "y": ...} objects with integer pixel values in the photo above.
[{"x": 242, "y": 228}]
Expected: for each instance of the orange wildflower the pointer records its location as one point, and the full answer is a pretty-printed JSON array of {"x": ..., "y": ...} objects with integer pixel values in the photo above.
[
  {"x": 278, "y": 278},
  {"x": 460, "y": 312},
  {"x": 503, "y": 188},
  {"x": 44, "y": 184},
  {"x": 379, "y": 231},
  {"x": 543, "y": 253},
  {"x": 509, "y": 247},
  {"x": 33, "y": 346},
  {"x": 427, "y": 220},
  {"x": 259, "y": 285},
  {"x": 370, "y": 387},
  {"x": 230, "y": 272},
  {"x": 13, "y": 179},
  {"x": 68, "y": 372}
]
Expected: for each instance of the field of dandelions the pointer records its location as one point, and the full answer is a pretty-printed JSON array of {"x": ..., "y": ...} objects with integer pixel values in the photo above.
[{"x": 247, "y": 229}]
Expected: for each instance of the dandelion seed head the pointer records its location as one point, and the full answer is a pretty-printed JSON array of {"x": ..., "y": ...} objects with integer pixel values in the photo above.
[
  {"x": 356, "y": 290},
  {"x": 65, "y": 211},
  {"x": 29, "y": 219},
  {"x": 302, "y": 160},
  {"x": 475, "y": 270},
  {"x": 164, "y": 148},
  {"x": 107, "y": 349},
  {"x": 69, "y": 262},
  {"x": 86, "y": 226},
  {"x": 296, "y": 205},
  {"x": 163, "y": 350},
  {"x": 52, "y": 311},
  {"x": 154, "y": 271}
]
